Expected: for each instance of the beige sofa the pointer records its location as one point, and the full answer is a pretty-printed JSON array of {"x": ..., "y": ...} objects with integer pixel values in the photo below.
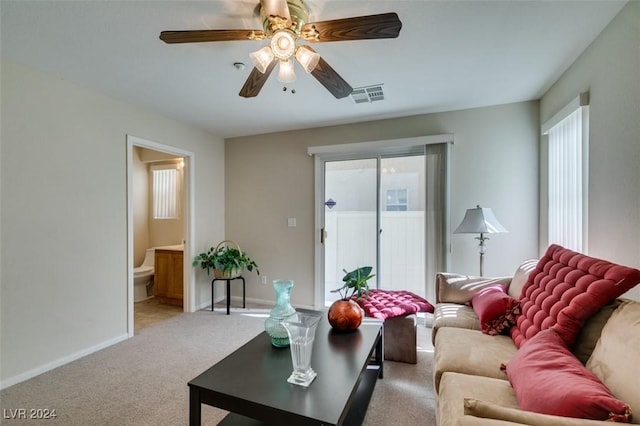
[{"x": 471, "y": 388}]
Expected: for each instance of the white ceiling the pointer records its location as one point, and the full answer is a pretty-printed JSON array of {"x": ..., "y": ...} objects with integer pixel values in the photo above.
[{"x": 449, "y": 55}]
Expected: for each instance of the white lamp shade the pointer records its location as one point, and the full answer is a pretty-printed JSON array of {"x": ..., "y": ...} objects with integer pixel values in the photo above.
[
  {"x": 307, "y": 58},
  {"x": 286, "y": 74},
  {"x": 480, "y": 221},
  {"x": 283, "y": 45},
  {"x": 262, "y": 58}
]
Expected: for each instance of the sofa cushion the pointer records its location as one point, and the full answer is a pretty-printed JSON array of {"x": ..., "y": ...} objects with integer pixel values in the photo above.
[
  {"x": 496, "y": 310},
  {"x": 470, "y": 352},
  {"x": 615, "y": 357},
  {"x": 456, "y": 288},
  {"x": 453, "y": 315},
  {"x": 520, "y": 278},
  {"x": 591, "y": 331},
  {"x": 565, "y": 289},
  {"x": 456, "y": 387},
  {"x": 547, "y": 378},
  {"x": 494, "y": 414},
  {"x": 468, "y": 420}
]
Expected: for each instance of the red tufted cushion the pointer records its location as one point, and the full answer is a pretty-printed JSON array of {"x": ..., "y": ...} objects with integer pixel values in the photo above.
[
  {"x": 565, "y": 289},
  {"x": 383, "y": 304}
]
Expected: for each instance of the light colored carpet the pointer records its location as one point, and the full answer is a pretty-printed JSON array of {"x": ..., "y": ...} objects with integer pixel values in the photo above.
[{"x": 143, "y": 380}]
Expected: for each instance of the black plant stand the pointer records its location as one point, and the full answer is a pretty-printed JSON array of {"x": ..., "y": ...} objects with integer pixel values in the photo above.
[{"x": 228, "y": 280}]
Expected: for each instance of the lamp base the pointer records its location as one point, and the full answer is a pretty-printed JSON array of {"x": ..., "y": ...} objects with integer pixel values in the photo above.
[{"x": 482, "y": 247}]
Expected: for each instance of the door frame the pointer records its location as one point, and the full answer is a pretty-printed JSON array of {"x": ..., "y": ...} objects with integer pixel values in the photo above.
[
  {"x": 188, "y": 212},
  {"x": 357, "y": 150}
]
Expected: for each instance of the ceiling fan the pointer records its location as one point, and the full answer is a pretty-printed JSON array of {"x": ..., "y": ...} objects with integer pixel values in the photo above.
[{"x": 284, "y": 23}]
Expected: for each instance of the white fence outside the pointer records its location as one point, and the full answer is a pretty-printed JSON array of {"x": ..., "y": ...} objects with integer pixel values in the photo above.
[{"x": 351, "y": 243}]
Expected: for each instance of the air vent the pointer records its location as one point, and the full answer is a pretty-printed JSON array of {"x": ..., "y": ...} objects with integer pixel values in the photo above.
[{"x": 367, "y": 94}]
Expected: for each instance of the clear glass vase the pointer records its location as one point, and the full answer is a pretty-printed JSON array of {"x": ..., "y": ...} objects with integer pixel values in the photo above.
[
  {"x": 283, "y": 309},
  {"x": 302, "y": 330}
]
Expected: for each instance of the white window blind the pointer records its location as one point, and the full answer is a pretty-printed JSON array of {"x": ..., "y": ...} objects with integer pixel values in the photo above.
[
  {"x": 166, "y": 187},
  {"x": 567, "y": 191}
]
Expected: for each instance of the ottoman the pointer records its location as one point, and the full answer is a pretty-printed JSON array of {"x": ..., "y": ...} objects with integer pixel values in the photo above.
[
  {"x": 400, "y": 339},
  {"x": 398, "y": 310}
]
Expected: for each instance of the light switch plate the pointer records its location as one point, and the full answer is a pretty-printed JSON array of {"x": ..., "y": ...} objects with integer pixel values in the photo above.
[{"x": 291, "y": 222}]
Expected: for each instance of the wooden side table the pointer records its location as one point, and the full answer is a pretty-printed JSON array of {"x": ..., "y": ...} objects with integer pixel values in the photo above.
[{"x": 228, "y": 280}]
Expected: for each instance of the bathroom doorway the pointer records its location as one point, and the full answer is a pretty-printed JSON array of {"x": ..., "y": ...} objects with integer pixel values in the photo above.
[{"x": 146, "y": 228}]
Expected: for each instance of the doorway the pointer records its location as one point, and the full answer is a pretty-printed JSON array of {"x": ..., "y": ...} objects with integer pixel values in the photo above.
[
  {"x": 383, "y": 204},
  {"x": 134, "y": 143}
]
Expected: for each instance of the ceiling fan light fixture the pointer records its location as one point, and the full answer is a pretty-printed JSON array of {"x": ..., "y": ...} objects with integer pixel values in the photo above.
[
  {"x": 262, "y": 58},
  {"x": 283, "y": 23},
  {"x": 286, "y": 73},
  {"x": 307, "y": 58},
  {"x": 283, "y": 44}
]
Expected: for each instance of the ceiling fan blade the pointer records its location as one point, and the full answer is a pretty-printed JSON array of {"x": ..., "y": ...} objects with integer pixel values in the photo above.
[
  {"x": 276, "y": 8},
  {"x": 255, "y": 81},
  {"x": 330, "y": 79},
  {"x": 198, "y": 36},
  {"x": 386, "y": 25}
]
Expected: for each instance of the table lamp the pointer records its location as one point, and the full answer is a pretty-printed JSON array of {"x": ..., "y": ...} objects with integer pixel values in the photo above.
[{"x": 480, "y": 221}]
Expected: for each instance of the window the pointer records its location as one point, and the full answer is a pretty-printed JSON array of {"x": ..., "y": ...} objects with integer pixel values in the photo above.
[
  {"x": 568, "y": 134},
  {"x": 166, "y": 189},
  {"x": 396, "y": 200}
]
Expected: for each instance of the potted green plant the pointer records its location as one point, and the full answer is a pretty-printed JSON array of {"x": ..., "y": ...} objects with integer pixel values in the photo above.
[
  {"x": 226, "y": 261},
  {"x": 345, "y": 314}
]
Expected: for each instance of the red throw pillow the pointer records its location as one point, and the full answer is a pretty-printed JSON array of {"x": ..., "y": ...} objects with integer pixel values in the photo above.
[
  {"x": 496, "y": 310},
  {"x": 547, "y": 378}
]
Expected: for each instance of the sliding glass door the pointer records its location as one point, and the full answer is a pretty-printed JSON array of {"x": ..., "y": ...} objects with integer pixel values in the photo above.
[
  {"x": 383, "y": 204},
  {"x": 350, "y": 219},
  {"x": 374, "y": 215}
]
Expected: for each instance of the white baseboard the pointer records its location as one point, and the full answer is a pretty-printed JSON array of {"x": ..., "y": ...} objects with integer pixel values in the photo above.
[
  {"x": 59, "y": 362},
  {"x": 268, "y": 303},
  {"x": 237, "y": 301},
  {"x": 202, "y": 305}
]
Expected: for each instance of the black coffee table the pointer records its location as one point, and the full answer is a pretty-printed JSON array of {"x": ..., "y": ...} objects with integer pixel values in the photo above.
[{"x": 251, "y": 383}]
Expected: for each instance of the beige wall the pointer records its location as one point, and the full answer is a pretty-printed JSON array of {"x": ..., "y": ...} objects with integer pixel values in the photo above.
[
  {"x": 610, "y": 70},
  {"x": 494, "y": 163},
  {"x": 64, "y": 232},
  {"x": 140, "y": 198}
]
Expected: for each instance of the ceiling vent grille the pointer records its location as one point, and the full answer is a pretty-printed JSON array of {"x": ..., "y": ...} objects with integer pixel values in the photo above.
[{"x": 367, "y": 94}]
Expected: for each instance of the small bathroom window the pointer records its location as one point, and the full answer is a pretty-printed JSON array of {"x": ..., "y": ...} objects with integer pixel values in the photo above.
[{"x": 166, "y": 190}]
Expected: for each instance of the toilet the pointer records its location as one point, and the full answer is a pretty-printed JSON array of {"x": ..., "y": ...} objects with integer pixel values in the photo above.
[{"x": 142, "y": 276}]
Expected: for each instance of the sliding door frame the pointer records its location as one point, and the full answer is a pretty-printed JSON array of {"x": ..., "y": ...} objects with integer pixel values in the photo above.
[{"x": 374, "y": 149}]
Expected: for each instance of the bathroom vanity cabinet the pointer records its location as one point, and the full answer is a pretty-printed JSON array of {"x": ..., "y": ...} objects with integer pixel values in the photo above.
[{"x": 168, "y": 281}]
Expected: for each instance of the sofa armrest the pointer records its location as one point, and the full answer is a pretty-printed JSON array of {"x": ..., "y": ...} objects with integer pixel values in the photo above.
[
  {"x": 487, "y": 410},
  {"x": 456, "y": 288}
]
